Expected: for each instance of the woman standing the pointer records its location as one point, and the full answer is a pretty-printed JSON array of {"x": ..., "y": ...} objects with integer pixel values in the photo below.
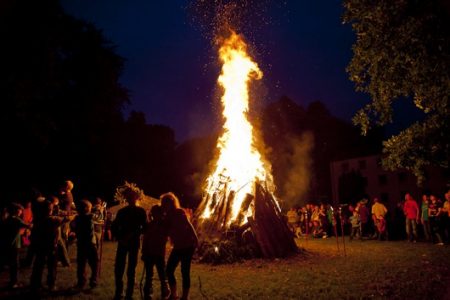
[{"x": 184, "y": 240}]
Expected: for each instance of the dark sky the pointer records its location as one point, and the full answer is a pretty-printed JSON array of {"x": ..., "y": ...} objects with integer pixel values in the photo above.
[{"x": 171, "y": 68}]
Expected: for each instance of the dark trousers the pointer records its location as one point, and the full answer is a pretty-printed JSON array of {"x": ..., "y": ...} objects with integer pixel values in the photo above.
[
  {"x": 149, "y": 263},
  {"x": 436, "y": 229},
  {"x": 44, "y": 256},
  {"x": 87, "y": 253},
  {"x": 119, "y": 268},
  {"x": 12, "y": 260},
  {"x": 185, "y": 257}
]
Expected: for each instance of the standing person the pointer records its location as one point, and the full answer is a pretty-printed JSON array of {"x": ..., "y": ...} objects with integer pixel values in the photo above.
[
  {"x": 154, "y": 252},
  {"x": 46, "y": 237},
  {"x": 356, "y": 225},
  {"x": 12, "y": 226},
  {"x": 66, "y": 206},
  {"x": 38, "y": 208},
  {"x": 83, "y": 225},
  {"x": 62, "y": 253},
  {"x": 445, "y": 217},
  {"x": 184, "y": 240},
  {"x": 364, "y": 216},
  {"x": 411, "y": 210},
  {"x": 27, "y": 217},
  {"x": 379, "y": 212},
  {"x": 127, "y": 228},
  {"x": 98, "y": 216},
  {"x": 434, "y": 212},
  {"x": 424, "y": 218},
  {"x": 293, "y": 219}
]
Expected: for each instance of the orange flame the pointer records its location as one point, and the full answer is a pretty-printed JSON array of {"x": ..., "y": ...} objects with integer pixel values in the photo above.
[{"x": 240, "y": 164}]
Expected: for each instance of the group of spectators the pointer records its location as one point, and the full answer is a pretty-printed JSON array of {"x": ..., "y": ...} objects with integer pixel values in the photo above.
[
  {"x": 47, "y": 226},
  {"x": 428, "y": 220}
]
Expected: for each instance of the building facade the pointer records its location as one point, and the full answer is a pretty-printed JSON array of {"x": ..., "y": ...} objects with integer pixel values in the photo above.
[{"x": 389, "y": 186}]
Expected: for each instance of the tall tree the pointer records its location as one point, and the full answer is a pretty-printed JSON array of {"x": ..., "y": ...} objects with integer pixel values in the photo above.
[
  {"x": 402, "y": 53},
  {"x": 61, "y": 96}
]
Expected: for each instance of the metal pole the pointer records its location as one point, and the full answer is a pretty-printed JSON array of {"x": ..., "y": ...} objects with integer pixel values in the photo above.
[
  {"x": 335, "y": 231},
  {"x": 342, "y": 229}
]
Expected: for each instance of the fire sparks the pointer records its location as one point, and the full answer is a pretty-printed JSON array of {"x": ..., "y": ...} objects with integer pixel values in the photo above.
[{"x": 240, "y": 163}]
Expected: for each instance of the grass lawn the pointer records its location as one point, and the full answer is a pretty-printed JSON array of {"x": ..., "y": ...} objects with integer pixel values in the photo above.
[{"x": 371, "y": 269}]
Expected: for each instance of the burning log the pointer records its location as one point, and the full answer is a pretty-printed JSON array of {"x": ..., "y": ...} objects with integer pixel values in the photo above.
[
  {"x": 227, "y": 215},
  {"x": 244, "y": 208}
]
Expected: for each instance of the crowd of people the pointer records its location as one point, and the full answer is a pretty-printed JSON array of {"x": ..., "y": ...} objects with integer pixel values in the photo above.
[
  {"x": 47, "y": 226},
  {"x": 428, "y": 220}
]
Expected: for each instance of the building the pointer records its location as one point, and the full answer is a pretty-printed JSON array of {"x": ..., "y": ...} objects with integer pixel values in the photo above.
[{"x": 364, "y": 177}]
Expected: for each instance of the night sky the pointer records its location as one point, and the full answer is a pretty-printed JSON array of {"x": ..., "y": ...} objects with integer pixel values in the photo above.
[{"x": 171, "y": 66}]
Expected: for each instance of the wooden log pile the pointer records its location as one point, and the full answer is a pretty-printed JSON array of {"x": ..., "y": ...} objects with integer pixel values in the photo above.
[
  {"x": 267, "y": 225},
  {"x": 270, "y": 227}
]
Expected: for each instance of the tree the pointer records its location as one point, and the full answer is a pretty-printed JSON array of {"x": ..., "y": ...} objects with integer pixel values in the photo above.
[
  {"x": 402, "y": 54},
  {"x": 61, "y": 99}
]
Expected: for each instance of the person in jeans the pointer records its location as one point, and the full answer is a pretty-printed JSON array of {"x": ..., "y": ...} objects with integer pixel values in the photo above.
[
  {"x": 127, "y": 228},
  {"x": 154, "y": 252},
  {"x": 46, "y": 237},
  {"x": 184, "y": 240},
  {"x": 424, "y": 218},
  {"x": 86, "y": 245},
  {"x": 411, "y": 210},
  {"x": 434, "y": 213}
]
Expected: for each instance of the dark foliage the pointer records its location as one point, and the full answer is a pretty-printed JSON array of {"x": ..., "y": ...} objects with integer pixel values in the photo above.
[
  {"x": 61, "y": 115},
  {"x": 402, "y": 53}
]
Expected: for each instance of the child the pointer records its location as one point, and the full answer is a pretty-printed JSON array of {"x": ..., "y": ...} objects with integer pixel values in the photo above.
[
  {"x": 153, "y": 252},
  {"x": 63, "y": 254},
  {"x": 108, "y": 222},
  {"x": 46, "y": 236},
  {"x": 356, "y": 225},
  {"x": 98, "y": 216},
  {"x": 86, "y": 245},
  {"x": 13, "y": 225}
]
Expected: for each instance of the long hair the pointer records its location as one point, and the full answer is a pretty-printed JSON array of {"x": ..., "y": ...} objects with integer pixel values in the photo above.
[{"x": 169, "y": 201}]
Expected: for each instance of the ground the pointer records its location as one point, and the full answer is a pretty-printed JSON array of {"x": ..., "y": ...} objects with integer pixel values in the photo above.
[{"x": 370, "y": 269}]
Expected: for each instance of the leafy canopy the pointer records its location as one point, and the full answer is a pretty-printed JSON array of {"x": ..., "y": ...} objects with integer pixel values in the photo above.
[{"x": 402, "y": 53}]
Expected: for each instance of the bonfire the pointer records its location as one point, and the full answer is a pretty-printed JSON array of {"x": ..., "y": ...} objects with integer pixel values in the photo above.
[{"x": 239, "y": 196}]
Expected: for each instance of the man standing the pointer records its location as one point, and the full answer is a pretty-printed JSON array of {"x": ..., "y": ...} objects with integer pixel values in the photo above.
[
  {"x": 378, "y": 215},
  {"x": 127, "y": 228},
  {"x": 411, "y": 210},
  {"x": 293, "y": 219}
]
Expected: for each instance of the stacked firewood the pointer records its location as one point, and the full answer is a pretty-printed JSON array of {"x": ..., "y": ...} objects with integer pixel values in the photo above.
[
  {"x": 270, "y": 227},
  {"x": 267, "y": 225}
]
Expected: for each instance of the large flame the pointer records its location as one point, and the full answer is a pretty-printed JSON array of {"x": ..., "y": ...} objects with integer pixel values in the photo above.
[{"x": 240, "y": 164}]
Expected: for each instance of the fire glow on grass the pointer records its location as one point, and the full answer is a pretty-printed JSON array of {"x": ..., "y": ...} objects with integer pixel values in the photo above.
[{"x": 240, "y": 163}]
